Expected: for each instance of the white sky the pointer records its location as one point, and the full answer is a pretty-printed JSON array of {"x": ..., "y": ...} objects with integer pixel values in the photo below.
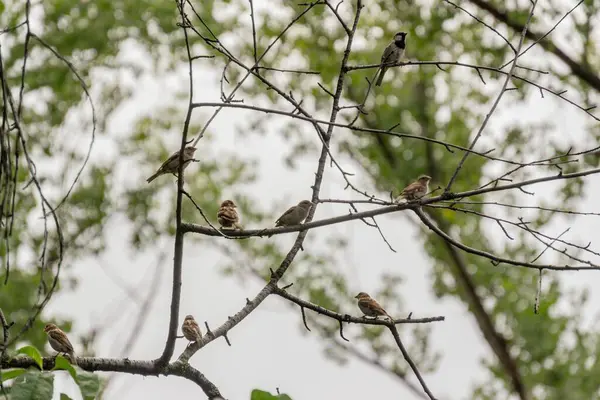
[{"x": 269, "y": 348}]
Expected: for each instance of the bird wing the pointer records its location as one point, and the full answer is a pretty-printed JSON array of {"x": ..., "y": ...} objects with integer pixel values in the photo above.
[
  {"x": 196, "y": 329},
  {"x": 410, "y": 188},
  {"x": 288, "y": 212},
  {"x": 194, "y": 325},
  {"x": 169, "y": 160},
  {"x": 372, "y": 305},
  {"x": 228, "y": 213},
  {"x": 386, "y": 57},
  {"x": 190, "y": 328},
  {"x": 62, "y": 339}
]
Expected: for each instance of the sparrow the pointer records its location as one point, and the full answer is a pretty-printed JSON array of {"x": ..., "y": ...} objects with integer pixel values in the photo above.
[
  {"x": 415, "y": 190},
  {"x": 191, "y": 330},
  {"x": 369, "y": 307},
  {"x": 392, "y": 54},
  {"x": 295, "y": 214},
  {"x": 171, "y": 165},
  {"x": 228, "y": 216},
  {"x": 59, "y": 341}
]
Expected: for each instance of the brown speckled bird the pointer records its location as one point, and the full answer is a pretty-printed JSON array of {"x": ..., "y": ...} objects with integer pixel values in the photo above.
[
  {"x": 369, "y": 307},
  {"x": 190, "y": 329},
  {"x": 415, "y": 190},
  {"x": 228, "y": 216},
  {"x": 171, "y": 165},
  {"x": 59, "y": 341}
]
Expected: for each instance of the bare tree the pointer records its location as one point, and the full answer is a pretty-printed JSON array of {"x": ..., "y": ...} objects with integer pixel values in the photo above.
[{"x": 442, "y": 197}]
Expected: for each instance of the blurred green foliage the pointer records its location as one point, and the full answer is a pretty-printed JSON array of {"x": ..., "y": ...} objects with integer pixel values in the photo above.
[
  {"x": 262, "y": 395},
  {"x": 448, "y": 105},
  {"x": 33, "y": 384}
]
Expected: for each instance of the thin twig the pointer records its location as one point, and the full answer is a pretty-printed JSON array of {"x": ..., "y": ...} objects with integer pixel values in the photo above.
[
  {"x": 538, "y": 295},
  {"x": 495, "y": 104}
]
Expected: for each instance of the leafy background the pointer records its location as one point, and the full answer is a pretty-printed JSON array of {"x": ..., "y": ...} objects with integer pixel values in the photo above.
[{"x": 116, "y": 227}]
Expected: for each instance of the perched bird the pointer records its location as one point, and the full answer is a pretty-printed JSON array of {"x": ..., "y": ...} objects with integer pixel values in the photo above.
[
  {"x": 191, "y": 330},
  {"x": 369, "y": 307},
  {"x": 228, "y": 216},
  {"x": 415, "y": 190},
  {"x": 392, "y": 54},
  {"x": 171, "y": 165},
  {"x": 295, "y": 214},
  {"x": 59, "y": 341}
]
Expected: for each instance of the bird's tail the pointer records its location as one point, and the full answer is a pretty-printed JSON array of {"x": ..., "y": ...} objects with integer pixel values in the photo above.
[
  {"x": 380, "y": 77},
  {"x": 153, "y": 177},
  {"x": 73, "y": 358}
]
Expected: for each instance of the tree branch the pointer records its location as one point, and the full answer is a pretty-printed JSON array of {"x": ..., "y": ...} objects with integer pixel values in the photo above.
[
  {"x": 125, "y": 365},
  {"x": 496, "y": 102},
  {"x": 178, "y": 247},
  {"x": 348, "y": 318},
  {"x": 495, "y": 339},
  {"x": 391, "y": 325},
  {"x": 496, "y": 260},
  {"x": 578, "y": 69},
  {"x": 415, "y": 207}
]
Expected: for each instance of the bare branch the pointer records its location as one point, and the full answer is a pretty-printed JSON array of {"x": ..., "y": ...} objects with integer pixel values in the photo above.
[
  {"x": 348, "y": 318},
  {"x": 178, "y": 246},
  {"x": 410, "y": 361},
  {"x": 125, "y": 365},
  {"x": 496, "y": 102},
  {"x": 415, "y": 206},
  {"x": 557, "y": 93},
  {"x": 496, "y": 260},
  {"x": 391, "y": 325},
  {"x": 536, "y": 305},
  {"x": 578, "y": 69}
]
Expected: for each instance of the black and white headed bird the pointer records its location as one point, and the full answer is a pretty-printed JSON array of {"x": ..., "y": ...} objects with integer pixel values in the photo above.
[{"x": 392, "y": 54}]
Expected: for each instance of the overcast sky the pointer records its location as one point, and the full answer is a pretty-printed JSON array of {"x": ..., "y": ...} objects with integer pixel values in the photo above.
[{"x": 269, "y": 349}]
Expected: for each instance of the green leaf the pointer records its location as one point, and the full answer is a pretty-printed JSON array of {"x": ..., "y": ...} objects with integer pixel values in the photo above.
[
  {"x": 62, "y": 363},
  {"x": 11, "y": 374},
  {"x": 64, "y": 397},
  {"x": 33, "y": 385},
  {"x": 33, "y": 353},
  {"x": 262, "y": 395},
  {"x": 89, "y": 384}
]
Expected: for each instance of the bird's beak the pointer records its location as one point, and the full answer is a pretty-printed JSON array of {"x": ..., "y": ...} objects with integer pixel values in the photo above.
[{"x": 356, "y": 297}]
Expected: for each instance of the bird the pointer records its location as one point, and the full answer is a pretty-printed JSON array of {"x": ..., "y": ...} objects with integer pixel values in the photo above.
[
  {"x": 415, "y": 190},
  {"x": 59, "y": 341},
  {"x": 392, "y": 54},
  {"x": 190, "y": 329},
  {"x": 295, "y": 214},
  {"x": 171, "y": 165},
  {"x": 369, "y": 307},
  {"x": 228, "y": 216}
]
